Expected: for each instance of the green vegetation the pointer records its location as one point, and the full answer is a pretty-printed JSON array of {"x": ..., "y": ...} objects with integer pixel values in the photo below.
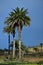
[{"x": 21, "y": 63}]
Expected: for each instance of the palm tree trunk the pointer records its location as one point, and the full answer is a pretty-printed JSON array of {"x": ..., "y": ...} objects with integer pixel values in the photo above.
[
  {"x": 19, "y": 49},
  {"x": 14, "y": 48},
  {"x": 8, "y": 45},
  {"x": 19, "y": 38},
  {"x": 41, "y": 48}
]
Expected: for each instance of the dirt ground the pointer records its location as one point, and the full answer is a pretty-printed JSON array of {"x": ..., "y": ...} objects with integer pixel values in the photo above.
[{"x": 33, "y": 59}]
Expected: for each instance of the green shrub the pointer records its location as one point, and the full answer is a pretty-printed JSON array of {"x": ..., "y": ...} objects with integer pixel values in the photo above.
[{"x": 40, "y": 63}]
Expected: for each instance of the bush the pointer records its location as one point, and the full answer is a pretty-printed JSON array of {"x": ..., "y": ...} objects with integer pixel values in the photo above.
[{"x": 40, "y": 62}]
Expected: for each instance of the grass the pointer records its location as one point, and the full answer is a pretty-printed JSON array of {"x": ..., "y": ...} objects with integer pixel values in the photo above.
[
  {"x": 27, "y": 61},
  {"x": 21, "y": 63}
]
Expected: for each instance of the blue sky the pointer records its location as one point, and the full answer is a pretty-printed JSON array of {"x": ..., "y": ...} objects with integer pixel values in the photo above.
[{"x": 32, "y": 35}]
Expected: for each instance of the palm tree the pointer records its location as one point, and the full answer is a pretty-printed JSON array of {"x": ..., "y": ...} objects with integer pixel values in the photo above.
[
  {"x": 7, "y": 30},
  {"x": 7, "y": 21},
  {"x": 41, "y": 44},
  {"x": 13, "y": 34},
  {"x": 18, "y": 18},
  {"x": 36, "y": 49}
]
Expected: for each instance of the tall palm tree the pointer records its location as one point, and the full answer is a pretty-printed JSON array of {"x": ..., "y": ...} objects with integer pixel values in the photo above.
[
  {"x": 18, "y": 18},
  {"x": 41, "y": 44},
  {"x": 8, "y": 20},
  {"x": 7, "y": 30},
  {"x": 13, "y": 34}
]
